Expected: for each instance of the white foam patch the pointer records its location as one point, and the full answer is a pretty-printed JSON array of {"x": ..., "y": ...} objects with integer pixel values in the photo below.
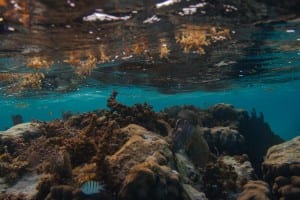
[
  {"x": 151, "y": 20},
  {"x": 103, "y": 17},
  {"x": 192, "y": 9},
  {"x": 167, "y": 3}
]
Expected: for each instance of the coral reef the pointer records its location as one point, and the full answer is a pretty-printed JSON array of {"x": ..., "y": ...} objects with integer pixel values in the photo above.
[
  {"x": 147, "y": 166},
  {"x": 237, "y": 132},
  {"x": 255, "y": 190},
  {"x": 183, "y": 153},
  {"x": 224, "y": 139},
  {"x": 141, "y": 114},
  {"x": 281, "y": 169},
  {"x": 219, "y": 180}
]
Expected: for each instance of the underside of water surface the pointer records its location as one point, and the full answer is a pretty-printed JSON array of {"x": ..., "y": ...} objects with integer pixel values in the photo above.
[{"x": 56, "y": 55}]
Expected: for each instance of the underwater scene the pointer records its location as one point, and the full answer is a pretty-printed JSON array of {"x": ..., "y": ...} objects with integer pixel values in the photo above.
[{"x": 149, "y": 100}]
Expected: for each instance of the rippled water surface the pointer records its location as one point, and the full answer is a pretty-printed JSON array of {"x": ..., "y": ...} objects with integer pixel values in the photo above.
[{"x": 58, "y": 64}]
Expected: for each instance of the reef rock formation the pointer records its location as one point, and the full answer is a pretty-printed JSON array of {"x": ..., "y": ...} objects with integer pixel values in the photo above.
[
  {"x": 225, "y": 177},
  {"x": 242, "y": 168},
  {"x": 255, "y": 190},
  {"x": 140, "y": 167},
  {"x": 225, "y": 139},
  {"x": 241, "y": 133},
  {"x": 22, "y": 130},
  {"x": 281, "y": 169},
  {"x": 131, "y": 151},
  {"x": 187, "y": 136}
]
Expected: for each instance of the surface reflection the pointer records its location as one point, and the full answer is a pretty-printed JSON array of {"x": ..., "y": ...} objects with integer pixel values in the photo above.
[{"x": 188, "y": 45}]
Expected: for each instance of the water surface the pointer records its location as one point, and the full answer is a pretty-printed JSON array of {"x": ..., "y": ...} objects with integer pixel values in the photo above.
[{"x": 56, "y": 65}]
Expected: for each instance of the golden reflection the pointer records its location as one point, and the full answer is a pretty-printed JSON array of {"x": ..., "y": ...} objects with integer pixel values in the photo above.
[
  {"x": 73, "y": 58},
  {"x": 103, "y": 56},
  {"x": 9, "y": 77},
  {"x": 192, "y": 38},
  {"x": 140, "y": 47},
  {"x": 83, "y": 61},
  {"x": 17, "y": 11},
  {"x": 39, "y": 62},
  {"x": 25, "y": 16},
  {"x": 164, "y": 50},
  {"x": 23, "y": 81},
  {"x": 195, "y": 38},
  {"x": 86, "y": 66},
  {"x": 219, "y": 34},
  {"x": 137, "y": 49},
  {"x": 31, "y": 81}
]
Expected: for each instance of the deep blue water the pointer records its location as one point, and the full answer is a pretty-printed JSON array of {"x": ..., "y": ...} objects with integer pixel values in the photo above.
[{"x": 275, "y": 93}]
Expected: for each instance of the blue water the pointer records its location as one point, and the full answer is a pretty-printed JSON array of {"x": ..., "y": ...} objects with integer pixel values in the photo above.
[
  {"x": 275, "y": 93},
  {"x": 278, "y": 102}
]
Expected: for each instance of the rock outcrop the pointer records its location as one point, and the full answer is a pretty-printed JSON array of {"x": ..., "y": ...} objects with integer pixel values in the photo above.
[
  {"x": 281, "y": 169},
  {"x": 255, "y": 190},
  {"x": 224, "y": 139},
  {"x": 141, "y": 168}
]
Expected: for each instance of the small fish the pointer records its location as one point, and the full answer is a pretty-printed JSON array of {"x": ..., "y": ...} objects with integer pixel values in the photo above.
[{"x": 91, "y": 187}]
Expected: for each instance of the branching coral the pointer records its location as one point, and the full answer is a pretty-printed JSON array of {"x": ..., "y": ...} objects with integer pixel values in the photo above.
[{"x": 141, "y": 114}]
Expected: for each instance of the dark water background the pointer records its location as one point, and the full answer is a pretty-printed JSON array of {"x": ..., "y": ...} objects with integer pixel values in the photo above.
[{"x": 75, "y": 65}]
